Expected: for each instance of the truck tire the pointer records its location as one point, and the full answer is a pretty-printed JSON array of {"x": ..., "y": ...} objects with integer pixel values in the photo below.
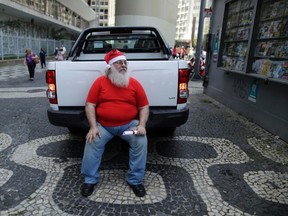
[
  {"x": 169, "y": 130},
  {"x": 75, "y": 130},
  {"x": 164, "y": 131}
]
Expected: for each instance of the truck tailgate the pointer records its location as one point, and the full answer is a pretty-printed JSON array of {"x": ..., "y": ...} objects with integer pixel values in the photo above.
[{"x": 159, "y": 79}]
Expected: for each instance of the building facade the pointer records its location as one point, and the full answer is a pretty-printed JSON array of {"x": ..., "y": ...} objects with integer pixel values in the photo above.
[
  {"x": 104, "y": 10},
  {"x": 160, "y": 14},
  {"x": 64, "y": 19},
  {"x": 41, "y": 24},
  {"x": 248, "y": 64},
  {"x": 45, "y": 18},
  {"x": 188, "y": 21}
]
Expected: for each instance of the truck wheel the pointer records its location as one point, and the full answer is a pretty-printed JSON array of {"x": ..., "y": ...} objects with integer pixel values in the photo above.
[
  {"x": 169, "y": 130},
  {"x": 164, "y": 131},
  {"x": 75, "y": 130}
]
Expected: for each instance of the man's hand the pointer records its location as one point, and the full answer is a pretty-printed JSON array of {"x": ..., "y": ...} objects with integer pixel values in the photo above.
[
  {"x": 91, "y": 116},
  {"x": 141, "y": 130},
  {"x": 92, "y": 133}
]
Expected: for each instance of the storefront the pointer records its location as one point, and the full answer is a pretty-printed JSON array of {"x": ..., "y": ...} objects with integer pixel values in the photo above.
[{"x": 248, "y": 64}]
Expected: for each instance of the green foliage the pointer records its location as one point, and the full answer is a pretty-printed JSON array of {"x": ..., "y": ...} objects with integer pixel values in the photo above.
[
  {"x": 62, "y": 34},
  {"x": 11, "y": 23},
  {"x": 10, "y": 56}
]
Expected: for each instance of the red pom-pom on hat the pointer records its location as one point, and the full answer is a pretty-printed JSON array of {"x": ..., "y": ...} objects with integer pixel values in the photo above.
[{"x": 113, "y": 56}]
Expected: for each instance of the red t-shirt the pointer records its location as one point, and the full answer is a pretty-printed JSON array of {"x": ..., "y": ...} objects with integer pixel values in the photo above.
[{"x": 116, "y": 106}]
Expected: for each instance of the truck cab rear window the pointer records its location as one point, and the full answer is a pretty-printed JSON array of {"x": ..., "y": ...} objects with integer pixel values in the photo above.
[{"x": 128, "y": 44}]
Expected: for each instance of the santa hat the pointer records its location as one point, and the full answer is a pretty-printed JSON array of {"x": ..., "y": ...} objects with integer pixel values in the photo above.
[{"x": 113, "y": 56}]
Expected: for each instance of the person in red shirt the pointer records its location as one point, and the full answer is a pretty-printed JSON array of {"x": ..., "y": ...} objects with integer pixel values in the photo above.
[
  {"x": 174, "y": 52},
  {"x": 116, "y": 103},
  {"x": 182, "y": 52}
]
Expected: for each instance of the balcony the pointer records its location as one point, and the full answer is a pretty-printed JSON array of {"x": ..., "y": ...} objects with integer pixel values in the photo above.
[{"x": 73, "y": 15}]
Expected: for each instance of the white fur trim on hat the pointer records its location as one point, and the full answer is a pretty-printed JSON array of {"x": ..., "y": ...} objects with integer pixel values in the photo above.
[
  {"x": 108, "y": 66},
  {"x": 121, "y": 57}
]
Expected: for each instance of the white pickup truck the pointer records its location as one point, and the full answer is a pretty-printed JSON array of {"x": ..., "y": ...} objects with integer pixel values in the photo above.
[{"x": 164, "y": 79}]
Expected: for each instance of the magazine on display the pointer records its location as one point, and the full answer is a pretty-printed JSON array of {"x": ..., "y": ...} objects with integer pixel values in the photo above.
[
  {"x": 272, "y": 69},
  {"x": 256, "y": 39}
]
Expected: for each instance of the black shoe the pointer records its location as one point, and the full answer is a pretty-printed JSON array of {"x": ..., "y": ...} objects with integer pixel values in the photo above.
[
  {"x": 138, "y": 190},
  {"x": 87, "y": 189}
]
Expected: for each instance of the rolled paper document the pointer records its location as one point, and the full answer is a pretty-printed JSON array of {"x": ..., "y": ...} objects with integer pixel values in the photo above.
[{"x": 130, "y": 132}]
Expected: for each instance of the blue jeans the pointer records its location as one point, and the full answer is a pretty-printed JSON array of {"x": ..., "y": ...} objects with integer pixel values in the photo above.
[{"x": 137, "y": 153}]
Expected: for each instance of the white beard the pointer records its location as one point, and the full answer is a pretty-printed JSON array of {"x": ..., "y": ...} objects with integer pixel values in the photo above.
[{"x": 118, "y": 78}]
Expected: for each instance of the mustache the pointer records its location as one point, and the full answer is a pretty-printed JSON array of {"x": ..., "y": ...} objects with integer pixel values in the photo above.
[{"x": 122, "y": 70}]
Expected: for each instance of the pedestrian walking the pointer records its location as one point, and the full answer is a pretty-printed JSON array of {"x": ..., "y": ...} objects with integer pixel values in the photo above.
[
  {"x": 60, "y": 55},
  {"x": 42, "y": 55},
  {"x": 174, "y": 52},
  {"x": 56, "y": 51},
  {"x": 182, "y": 52},
  {"x": 29, "y": 60},
  {"x": 64, "y": 49}
]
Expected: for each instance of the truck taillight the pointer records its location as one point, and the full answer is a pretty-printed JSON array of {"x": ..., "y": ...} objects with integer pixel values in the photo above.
[
  {"x": 51, "y": 91},
  {"x": 183, "y": 91}
]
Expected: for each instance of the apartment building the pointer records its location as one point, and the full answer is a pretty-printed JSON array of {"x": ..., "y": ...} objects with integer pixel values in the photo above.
[
  {"x": 45, "y": 18},
  {"x": 188, "y": 21},
  {"x": 104, "y": 11},
  {"x": 178, "y": 20},
  {"x": 151, "y": 13}
]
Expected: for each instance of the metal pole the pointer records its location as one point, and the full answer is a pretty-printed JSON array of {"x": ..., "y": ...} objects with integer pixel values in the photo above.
[
  {"x": 193, "y": 32},
  {"x": 47, "y": 47},
  {"x": 97, "y": 22},
  {"x": 17, "y": 45},
  {"x": 2, "y": 50},
  {"x": 54, "y": 46},
  {"x": 199, "y": 38}
]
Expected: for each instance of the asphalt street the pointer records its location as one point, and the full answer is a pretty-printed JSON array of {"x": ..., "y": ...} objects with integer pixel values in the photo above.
[{"x": 218, "y": 163}]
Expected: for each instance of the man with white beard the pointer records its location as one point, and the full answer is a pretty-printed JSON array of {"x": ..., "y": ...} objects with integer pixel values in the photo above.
[{"x": 116, "y": 103}]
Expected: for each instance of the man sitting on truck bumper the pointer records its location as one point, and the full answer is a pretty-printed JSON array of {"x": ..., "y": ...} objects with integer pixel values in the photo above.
[{"x": 116, "y": 103}]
